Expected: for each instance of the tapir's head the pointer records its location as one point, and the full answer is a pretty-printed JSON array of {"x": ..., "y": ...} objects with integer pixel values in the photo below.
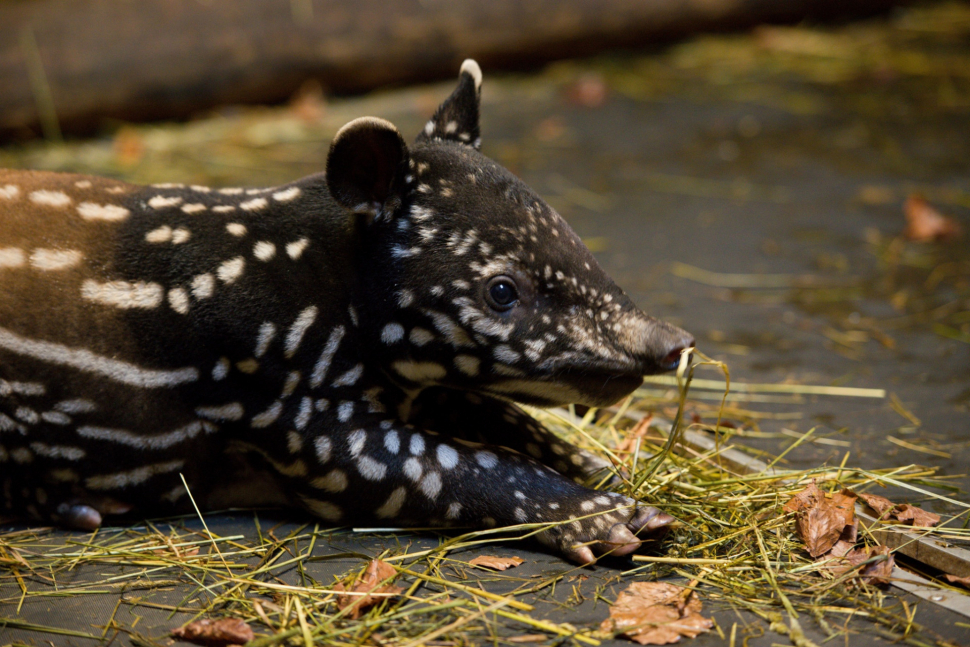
[{"x": 471, "y": 281}]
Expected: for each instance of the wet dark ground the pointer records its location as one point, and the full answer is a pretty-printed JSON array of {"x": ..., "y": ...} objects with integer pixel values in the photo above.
[{"x": 779, "y": 152}]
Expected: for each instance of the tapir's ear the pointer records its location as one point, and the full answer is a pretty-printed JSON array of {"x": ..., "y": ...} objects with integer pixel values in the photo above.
[
  {"x": 366, "y": 166},
  {"x": 457, "y": 118}
]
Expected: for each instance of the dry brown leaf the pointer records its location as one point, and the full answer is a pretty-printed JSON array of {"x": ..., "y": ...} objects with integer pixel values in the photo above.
[
  {"x": 879, "y": 572},
  {"x": 655, "y": 613},
  {"x": 369, "y": 584},
  {"x": 917, "y": 516},
  {"x": 924, "y": 223},
  {"x": 820, "y": 527},
  {"x": 879, "y": 504},
  {"x": 847, "y": 540},
  {"x": 496, "y": 563},
  {"x": 215, "y": 633},
  {"x": 955, "y": 579},
  {"x": 804, "y": 499}
]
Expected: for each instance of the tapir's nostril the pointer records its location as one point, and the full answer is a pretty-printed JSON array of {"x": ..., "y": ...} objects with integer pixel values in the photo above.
[{"x": 672, "y": 359}]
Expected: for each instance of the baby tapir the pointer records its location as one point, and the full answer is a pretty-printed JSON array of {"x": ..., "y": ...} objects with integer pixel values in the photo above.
[{"x": 356, "y": 338}]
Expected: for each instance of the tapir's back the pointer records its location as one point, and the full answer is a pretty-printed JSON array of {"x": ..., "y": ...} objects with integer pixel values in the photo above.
[{"x": 121, "y": 305}]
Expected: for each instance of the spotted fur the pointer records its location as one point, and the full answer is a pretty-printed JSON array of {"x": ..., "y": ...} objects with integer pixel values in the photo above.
[{"x": 349, "y": 343}]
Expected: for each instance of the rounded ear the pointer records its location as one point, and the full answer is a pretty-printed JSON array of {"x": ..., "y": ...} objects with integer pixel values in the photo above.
[{"x": 366, "y": 166}]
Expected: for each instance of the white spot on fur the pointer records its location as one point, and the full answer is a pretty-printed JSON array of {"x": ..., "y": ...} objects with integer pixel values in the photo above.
[
  {"x": 393, "y": 505},
  {"x": 287, "y": 194},
  {"x": 236, "y": 229},
  {"x": 109, "y": 212},
  {"x": 430, "y": 485},
  {"x": 420, "y": 336},
  {"x": 323, "y": 448},
  {"x": 203, "y": 286},
  {"x": 370, "y": 469},
  {"x": 163, "y": 202},
  {"x": 10, "y": 191},
  {"x": 15, "y": 257},
  {"x": 267, "y": 330},
  {"x": 180, "y": 235},
  {"x": 54, "y": 259},
  {"x": 334, "y": 481},
  {"x": 295, "y": 334},
  {"x": 488, "y": 460},
  {"x": 50, "y": 198},
  {"x": 350, "y": 377},
  {"x": 255, "y": 204},
  {"x": 224, "y": 208},
  {"x": 356, "y": 441},
  {"x": 123, "y": 294},
  {"x": 454, "y": 510},
  {"x": 392, "y": 441},
  {"x": 268, "y": 417},
  {"x": 179, "y": 300},
  {"x": 221, "y": 369},
  {"x": 231, "y": 411},
  {"x": 231, "y": 270},
  {"x": 264, "y": 250},
  {"x": 194, "y": 207},
  {"x": 329, "y": 350},
  {"x": 392, "y": 333},
  {"x": 413, "y": 469},
  {"x": 447, "y": 457},
  {"x": 295, "y": 249},
  {"x": 467, "y": 364},
  {"x": 160, "y": 235},
  {"x": 303, "y": 415}
]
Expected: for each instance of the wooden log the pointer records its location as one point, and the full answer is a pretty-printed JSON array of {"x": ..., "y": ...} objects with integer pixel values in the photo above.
[{"x": 72, "y": 64}]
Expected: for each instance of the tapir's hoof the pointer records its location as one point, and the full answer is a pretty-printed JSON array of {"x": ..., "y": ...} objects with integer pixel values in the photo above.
[
  {"x": 81, "y": 516},
  {"x": 620, "y": 528}
]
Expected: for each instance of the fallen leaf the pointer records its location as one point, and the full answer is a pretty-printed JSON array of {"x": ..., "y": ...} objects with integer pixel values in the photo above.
[
  {"x": 820, "y": 528},
  {"x": 821, "y": 520},
  {"x": 370, "y": 586},
  {"x": 904, "y": 512},
  {"x": 918, "y": 516},
  {"x": 804, "y": 499},
  {"x": 955, "y": 579},
  {"x": 496, "y": 563},
  {"x": 655, "y": 613},
  {"x": 215, "y": 633},
  {"x": 924, "y": 223},
  {"x": 879, "y": 504},
  {"x": 878, "y": 572},
  {"x": 844, "y": 502},
  {"x": 847, "y": 540}
]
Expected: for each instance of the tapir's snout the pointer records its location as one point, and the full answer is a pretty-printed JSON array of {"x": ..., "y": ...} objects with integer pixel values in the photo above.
[{"x": 657, "y": 345}]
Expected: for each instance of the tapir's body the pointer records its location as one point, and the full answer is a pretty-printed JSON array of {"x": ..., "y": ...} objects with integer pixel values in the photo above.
[{"x": 317, "y": 334}]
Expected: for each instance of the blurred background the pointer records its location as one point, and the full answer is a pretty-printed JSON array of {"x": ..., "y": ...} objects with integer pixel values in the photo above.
[{"x": 790, "y": 181}]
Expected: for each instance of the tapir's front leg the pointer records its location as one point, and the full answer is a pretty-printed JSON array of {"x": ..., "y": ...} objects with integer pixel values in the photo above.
[
  {"x": 386, "y": 472},
  {"x": 480, "y": 418}
]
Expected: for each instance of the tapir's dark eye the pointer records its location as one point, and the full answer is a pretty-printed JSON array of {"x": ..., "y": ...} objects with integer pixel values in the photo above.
[{"x": 501, "y": 293}]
